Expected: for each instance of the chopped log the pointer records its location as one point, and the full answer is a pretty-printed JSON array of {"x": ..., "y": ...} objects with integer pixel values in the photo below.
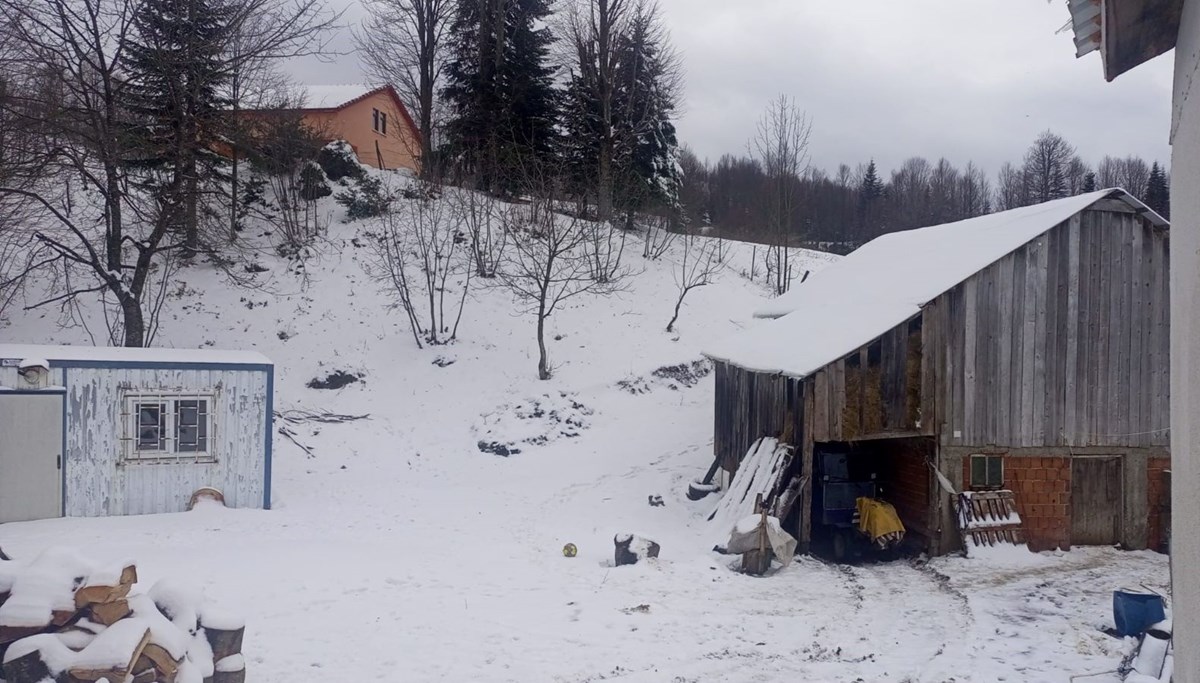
[
  {"x": 145, "y": 676},
  {"x": 11, "y": 634},
  {"x": 89, "y": 595},
  {"x": 114, "y": 673},
  {"x": 224, "y": 642},
  {"x": 230, "y": 670},
  {"x": 28, "y": 668},
  {"x": 238, "y": 676},
  {"x": 109, "y": 613},
  {"x": 631, "y": 548},
  {"x": 161, "y": 661}
]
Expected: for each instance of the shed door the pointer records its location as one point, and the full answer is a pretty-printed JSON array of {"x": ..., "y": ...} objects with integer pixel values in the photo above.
[
  {"x": 1095, "y": 500},
  {"x": 31, "y": 439}
]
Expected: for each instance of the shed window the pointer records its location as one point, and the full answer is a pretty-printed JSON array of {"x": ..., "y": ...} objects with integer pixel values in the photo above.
[
  {"x": 168, "y": 427},
  {"x": 987, "y": 471}
]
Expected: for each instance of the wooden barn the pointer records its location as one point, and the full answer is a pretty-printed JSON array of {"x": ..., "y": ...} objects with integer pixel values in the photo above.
[{"x": 1026, "y": 350}]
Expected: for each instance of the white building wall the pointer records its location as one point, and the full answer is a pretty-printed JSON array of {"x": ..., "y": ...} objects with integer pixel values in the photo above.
[
  {"x": 99, "y": 483},
  {"x": 1185, "y": 349}
]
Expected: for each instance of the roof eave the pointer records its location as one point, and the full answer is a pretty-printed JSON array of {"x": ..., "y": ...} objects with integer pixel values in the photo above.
[{"x": 1127, "y": 33}]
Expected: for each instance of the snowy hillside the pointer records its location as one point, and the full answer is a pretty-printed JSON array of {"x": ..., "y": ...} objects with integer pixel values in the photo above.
[{"x": 398, "y": 550}]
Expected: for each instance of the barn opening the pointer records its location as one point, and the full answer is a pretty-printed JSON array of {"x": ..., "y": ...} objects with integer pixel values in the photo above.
[{"x": 893, "y": 470}]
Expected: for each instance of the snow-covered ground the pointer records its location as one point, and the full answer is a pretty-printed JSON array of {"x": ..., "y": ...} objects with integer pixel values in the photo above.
[{"x": 398, "y": 551}]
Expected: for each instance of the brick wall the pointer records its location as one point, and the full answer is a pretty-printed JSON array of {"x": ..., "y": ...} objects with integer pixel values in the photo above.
[
  {"x": 1158, "y": 494},
  {"x": 1043, "y": 491}
]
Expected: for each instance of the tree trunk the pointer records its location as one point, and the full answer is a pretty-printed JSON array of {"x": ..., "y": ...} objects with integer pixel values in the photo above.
[
  {"x": 233, "y": 198},
  {"x": 678, "y": 303},
  {"x": 135, "y": 322},
  {"x": 604, "y": 193},
  {"x": 112, "y": 210},
  {"x": 543, "y": 359}
]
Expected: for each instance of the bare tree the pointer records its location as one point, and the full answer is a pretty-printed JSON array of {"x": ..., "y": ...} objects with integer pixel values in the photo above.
[
  {"x": 658, "y": 238},
  {"x": 547, "y": 265},
  {"x": 594, "y": 28},
  {"x": 697, "y": 267},
  {"x": 261, "y": 35},
  {"x": 487, "y": 228},
  {"x": 418, "y": 254},
  {"x": 1011, "y": 191},
  {"x": 1046, "y": 167},
  {"x": 974, "y": 192},
  {"x": 403, "y": 42},
  {"x": 120, "y": 247},
  {"x": 780, "y": 146}
]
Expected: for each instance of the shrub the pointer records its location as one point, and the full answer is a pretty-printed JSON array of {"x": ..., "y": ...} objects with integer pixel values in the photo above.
[
  {"x": 365, "y": 199},
  {"x": 338, "y": 161},
  {"x": 312, "y": 183}
]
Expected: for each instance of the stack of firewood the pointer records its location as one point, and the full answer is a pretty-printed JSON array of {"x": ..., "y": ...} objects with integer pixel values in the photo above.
[{"x": 67, "y": 620}]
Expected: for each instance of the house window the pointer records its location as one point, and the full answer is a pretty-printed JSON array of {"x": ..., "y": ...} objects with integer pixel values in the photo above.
[
  {"x": 379, "y": 120},
  {"x": 168, "y": 427},
  {"x": 987, "y": 471}
]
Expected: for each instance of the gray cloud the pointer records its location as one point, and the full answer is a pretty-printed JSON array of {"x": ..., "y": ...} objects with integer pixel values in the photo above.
[{"x": 968, "y": 80}]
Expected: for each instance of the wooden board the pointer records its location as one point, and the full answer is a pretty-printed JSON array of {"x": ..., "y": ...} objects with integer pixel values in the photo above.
[{"x": 1096, "y": 497}]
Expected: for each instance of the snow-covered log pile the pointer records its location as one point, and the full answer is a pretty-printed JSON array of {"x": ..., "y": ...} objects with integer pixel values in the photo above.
[{"x": 68, "y": 620}]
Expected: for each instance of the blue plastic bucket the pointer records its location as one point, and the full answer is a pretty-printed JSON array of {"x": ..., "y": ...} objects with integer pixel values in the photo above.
[{"x": 1134, "y": 613}]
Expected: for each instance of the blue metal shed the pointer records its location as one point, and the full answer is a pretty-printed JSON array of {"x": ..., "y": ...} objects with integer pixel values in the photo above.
[{"x": 92, "y": 431}]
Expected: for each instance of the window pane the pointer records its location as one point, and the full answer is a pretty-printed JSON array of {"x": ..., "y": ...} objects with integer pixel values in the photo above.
[
  {"x": 978, "y": 471},
  {"x": 995, "y": 475},
  {"x": 191, "y": 426},
  {"x": 150, "y": 426},
  {"x": 383, "y": 123}
]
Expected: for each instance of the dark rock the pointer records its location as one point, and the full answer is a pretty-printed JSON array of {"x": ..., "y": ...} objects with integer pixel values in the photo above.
[{"x": 631, "y": 549}]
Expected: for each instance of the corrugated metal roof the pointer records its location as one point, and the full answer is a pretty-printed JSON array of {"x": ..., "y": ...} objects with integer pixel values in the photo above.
[{"x": 1087, "y": 22}]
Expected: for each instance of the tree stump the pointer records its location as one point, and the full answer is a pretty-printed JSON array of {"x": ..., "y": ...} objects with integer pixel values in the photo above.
[
  {"x": 631, "y": 548},
  {"x": 224, "y": 642}
]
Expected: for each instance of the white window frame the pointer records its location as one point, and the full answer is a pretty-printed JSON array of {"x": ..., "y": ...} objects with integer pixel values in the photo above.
[{"x": 169, "y": 452}]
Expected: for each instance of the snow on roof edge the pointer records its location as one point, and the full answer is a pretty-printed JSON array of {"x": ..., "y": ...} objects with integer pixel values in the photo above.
[
  {"x": 848, "y": 305},
  {"x": 118, "y": 354}
]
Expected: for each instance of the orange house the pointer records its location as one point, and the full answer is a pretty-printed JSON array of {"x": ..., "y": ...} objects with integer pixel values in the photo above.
[{"x": 373, "y": 120}]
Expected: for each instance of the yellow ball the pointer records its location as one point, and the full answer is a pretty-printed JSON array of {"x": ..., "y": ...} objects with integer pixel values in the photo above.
[{"x": 569, "y": 550}]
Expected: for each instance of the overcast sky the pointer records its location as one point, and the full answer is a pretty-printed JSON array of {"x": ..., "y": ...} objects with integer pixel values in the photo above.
[{"x": 888, "y": 79}]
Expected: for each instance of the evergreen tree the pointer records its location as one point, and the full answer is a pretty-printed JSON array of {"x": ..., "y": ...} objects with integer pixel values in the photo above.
[
  {"x": 1158, "y": 192},
  {"x": 1089, "y": 182},
  {"x": 872, "y": 186},
  {"x": 499, "y": 88},
  {"x": 647, "y": 149},
  {"x": 175, "y": 75}
]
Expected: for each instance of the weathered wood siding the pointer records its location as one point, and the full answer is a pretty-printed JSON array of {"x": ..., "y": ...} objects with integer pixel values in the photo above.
[
  {"x": 749, "y": 406},
  {"x": 1064, "y": 342}
]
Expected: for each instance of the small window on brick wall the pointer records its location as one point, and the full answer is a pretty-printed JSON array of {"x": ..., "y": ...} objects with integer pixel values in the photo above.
[{"x": 987, "y": 472}]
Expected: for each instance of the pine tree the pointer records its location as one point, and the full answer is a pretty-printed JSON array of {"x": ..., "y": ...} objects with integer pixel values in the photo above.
[
  {"x": 499, "y": 87},
  {"x": 872, "y": 187},
  {"x": 1089, "y": 182},
  {"x": 175, "y": 76},
  {"x": 1158, "y": 192},
  {"x": 647, "y": 149}
]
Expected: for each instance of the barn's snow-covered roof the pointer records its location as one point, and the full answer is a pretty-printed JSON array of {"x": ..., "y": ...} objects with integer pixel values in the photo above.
[
  {"x": 117, "y": 354},
  {"x": 886, "y": 282}
]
